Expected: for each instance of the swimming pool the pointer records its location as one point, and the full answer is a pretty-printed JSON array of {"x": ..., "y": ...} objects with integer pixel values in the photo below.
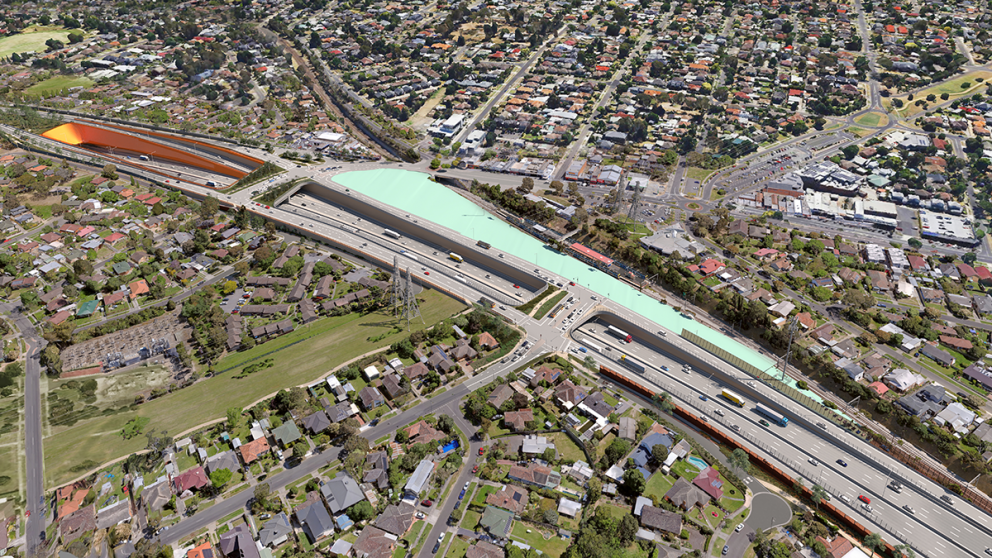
[
  {"x": 699, "y": 463},
  {"x": 449, "y": 446}
]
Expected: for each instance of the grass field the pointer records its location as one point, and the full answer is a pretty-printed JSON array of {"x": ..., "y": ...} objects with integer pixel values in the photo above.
[
  {"x": 32, "y": 39},
  {"x": 695, "y": 173},
  {"x": 9, "y": 471},
  {"x": 457, "y": 549},
  {"x": 57, "y": 84},
  {"x": 335, "y": 341},
  {"x": 658, "y": 485},
  {"x": 872, "y": 119},
  {"x": 953, "y": 88}
]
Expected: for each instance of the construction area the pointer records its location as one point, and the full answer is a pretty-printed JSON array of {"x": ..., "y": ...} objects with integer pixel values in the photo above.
[{"x": 128, "y": 347}]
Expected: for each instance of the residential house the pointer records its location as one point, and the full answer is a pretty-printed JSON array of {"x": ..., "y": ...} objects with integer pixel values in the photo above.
[
  {"x": 275, "y": 531},
  {"x": 517, "y": 420},
  {"x": 238, "y": 543},
  {"x": 627, "y": 429},
  {"x": 496, "y": 522},
  {"x": 419, "y": 481},
  {"x": 535, "y": 475},
  {"x": 685, "y": 495},
  {"x": 315, "y": 520},
  {"x": 373, "y": 542},
  {"x": 341, "y": 493},
  {"x": 939, "y": 355},
  {"x": 286, "y": 433},
  {"x": 396, "y": 519},
  {"x": 661, "y": 520},
  {"x": 371, "y": 398},
  {"x": 510, "y": 497},
  {"x": 316, "y": 422},
  {"x": 195, "y": 478},
  {"x": 709, "y": 482}
]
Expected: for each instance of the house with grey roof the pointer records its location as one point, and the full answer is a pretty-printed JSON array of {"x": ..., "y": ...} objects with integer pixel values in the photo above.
[
  {"x": 686, "y": 495},
  {"x": 315, "y": 520},
  {"x": 396, "y": 519},
  {"x": 238, "y": 543},
  {"x": 286, "y": 433},
  {"x": 223, "y": 460},
  {"x": 275, "y": 531},
  {"x": 661, "y": 520},
  {"x": 114, "y": 514},
  {"x": 341, "y": 493},
  {"x": 316, "y": 422},
  {"x": 420, "y": 479}
]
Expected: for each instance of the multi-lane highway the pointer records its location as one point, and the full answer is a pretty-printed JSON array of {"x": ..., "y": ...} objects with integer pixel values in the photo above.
[{"x": 829, "y": 456}]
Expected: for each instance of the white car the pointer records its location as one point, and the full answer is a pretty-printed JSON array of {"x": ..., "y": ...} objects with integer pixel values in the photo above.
[
  {"x": 719, "y": 412},
  {"x": 813, "y": 462},
  {"x": 739, "y": 528},
  {"x": 440, "y": 538}
]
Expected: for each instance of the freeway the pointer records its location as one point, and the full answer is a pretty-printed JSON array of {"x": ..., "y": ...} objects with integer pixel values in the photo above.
[
  {"x": 870, "y": 467},
  {"x": 915, "y": 514}
]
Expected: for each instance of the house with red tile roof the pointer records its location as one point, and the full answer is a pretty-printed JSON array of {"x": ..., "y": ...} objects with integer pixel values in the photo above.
[
  {"x": 252, "y": 450},
  {"x": 205, "y": 550},
  {"x": 188, "y": 480},
  {"x": 709, "y": 482}
]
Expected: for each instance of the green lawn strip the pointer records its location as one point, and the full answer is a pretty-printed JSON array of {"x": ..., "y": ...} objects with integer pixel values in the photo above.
[
  {"x": 553, "y": 547},
  {"x": 343, "y": 338},
  {"x": 547, "y": 306},
  {"x": 530, "y": 304},
  {"x": 420, "y": 540},
  {"x": 231, "y": 516}
]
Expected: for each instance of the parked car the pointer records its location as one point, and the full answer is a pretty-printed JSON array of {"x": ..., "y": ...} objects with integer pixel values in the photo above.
[{"x": 427, "y": 503}]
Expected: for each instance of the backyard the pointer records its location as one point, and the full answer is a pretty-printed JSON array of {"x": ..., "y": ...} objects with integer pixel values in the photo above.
[
  {"x": 553, "y": 547},
  {"x": 334, "y": 341}
]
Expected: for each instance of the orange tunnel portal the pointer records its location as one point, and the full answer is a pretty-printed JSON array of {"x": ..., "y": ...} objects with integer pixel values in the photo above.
[{"x": 78, "y": 134}]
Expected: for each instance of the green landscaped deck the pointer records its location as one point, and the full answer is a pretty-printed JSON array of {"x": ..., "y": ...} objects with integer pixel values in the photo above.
[{"x": 416, "y": 194}]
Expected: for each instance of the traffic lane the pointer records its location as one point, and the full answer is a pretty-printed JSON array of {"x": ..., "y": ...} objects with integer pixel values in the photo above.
[
  {"x": 768, "y": 510},
  {"x": 854, "y": 471},
  {"x": 449, "y": 505},
  {"x": 738, "y": 543}
]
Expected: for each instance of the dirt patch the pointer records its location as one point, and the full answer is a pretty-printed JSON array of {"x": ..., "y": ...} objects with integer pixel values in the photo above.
[{"x": 121, "y": 387}]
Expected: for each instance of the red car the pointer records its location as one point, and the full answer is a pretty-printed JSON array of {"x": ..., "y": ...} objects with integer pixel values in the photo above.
[
  {"x": 427, "y": 503},
  {"x": 482, "y": 451},
  {"x": 475, "y": 469},
  {"x": 572, "y": 283},
  {"x": 516, "y": 286},
  {"x": 864, "y": 499},
  {"x": 427, "y": 273}
]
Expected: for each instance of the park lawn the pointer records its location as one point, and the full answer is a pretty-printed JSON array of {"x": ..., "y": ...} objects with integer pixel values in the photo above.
[
  {"x": 9, "y": 458},
  {"x": 553, "y": 547},
  {"x": 457, "y": 548},
  {"x": 336, "y": 340},
  {"x": 658, "y": 485},
  {"x": 58, "y": 83},
  {"x": 567, "y": 449},
  {"x": 31, "y": 39},
  {"x": 696, "y": 173},
  {"x": 869, "y": 119}
]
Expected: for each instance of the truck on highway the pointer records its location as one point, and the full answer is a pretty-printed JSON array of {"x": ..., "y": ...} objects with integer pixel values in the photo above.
[
  {"x": 410, "y": 255},
  {"x": 632, "y": 364},
  {"x": 483, "y": 244},
  {"x": 775, "y": 417},
  {"x": 455, "y": 257},
  {"x": 733, "y": 397},
  {"x": 619, "y": 334},
  {"x": 594, "y": 347},
  {"x": 391, "y": 234}
]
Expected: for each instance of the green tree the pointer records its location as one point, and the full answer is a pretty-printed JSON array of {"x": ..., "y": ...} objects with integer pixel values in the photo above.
[
  {"x": 361, "y": 511},
  {"x": 220, "y": 477},
  {"x": 209, "y": 207},
  {"x": 740, "y": 461},
  {"x": 819, "y": 494},
  {"x": 874, "y": 542},
  {"x": 633, "y": 482},
  {"x": 234, "y": 417},
  {"x": 616, "y": 450},
  {"x": 659, "y": 453}
]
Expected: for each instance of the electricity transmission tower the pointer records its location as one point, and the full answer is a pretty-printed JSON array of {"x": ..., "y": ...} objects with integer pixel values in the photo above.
[
  {"x": 788, "y": 353},
  {"x": 411, "y": 309},
  {"x": 396, "y": 293}
]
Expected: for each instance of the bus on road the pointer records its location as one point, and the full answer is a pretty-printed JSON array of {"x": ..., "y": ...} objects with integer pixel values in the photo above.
[
  {"x": 772, "y": 415},
  {"x": 620, "y": 334},
  {"x": 594, "y": 347},
  {"x": 455, "y": 257},
  {"x": 392, "y": 234},
  {"x": 733, "y": 397}
]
